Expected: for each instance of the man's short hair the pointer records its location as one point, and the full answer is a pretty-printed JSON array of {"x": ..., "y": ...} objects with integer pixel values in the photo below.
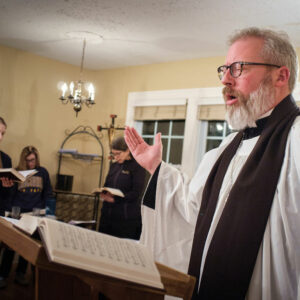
[{"x": 277, "y": 49}]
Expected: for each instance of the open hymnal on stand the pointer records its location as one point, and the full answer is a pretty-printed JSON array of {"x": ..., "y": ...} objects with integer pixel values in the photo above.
[
  {"x": 93, "y": 251},
  {"x": 15, "y": 175}
]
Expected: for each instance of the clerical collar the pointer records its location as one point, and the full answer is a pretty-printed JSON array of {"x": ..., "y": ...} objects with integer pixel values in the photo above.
[{"x": 251, "y": 132}]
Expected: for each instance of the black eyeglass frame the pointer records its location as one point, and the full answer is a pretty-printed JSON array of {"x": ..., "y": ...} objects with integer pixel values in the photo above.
[{"x": 221, "y": 72}]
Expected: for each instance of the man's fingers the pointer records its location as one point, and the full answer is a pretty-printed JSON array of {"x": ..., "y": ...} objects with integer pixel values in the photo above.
[
  {"x": 138, "y": 138},
  {"x": 157, "y": 138},
  {"x": 129, "y": 138},
  {"x": 132, "y": 136}
]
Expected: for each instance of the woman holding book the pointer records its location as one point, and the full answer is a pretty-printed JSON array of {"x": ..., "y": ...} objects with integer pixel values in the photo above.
[
  {"x": 5, "y": 183},
  {"x": 121, "y": 216},
  {"x": 32, "y": 193}
]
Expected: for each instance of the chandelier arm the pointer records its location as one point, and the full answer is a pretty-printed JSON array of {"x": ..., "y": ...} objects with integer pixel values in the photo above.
[
  {"x": 64, "y": 100},
  {"x": 89, "y": 103}
]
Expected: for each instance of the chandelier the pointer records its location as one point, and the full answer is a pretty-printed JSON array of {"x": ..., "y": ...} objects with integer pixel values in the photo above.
[{"x": 76, "y": 95}]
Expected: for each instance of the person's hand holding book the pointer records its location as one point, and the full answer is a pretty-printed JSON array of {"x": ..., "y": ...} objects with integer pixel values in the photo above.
[
  {"x": 107, "y": 196},
  {"x": 6, "y": 182}
]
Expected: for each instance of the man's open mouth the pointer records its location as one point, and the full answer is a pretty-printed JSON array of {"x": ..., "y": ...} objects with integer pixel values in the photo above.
[{"x": 230, "y": 99}]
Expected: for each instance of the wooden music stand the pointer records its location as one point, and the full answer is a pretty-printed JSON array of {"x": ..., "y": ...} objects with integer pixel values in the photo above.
[{"x": 55, "y": 281}]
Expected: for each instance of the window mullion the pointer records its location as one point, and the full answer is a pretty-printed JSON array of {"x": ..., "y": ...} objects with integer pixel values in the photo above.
[
  {"x": 169, "y": 141},
  {"x": 155, "y": 128},
  {"x": 224, "y": 129}
]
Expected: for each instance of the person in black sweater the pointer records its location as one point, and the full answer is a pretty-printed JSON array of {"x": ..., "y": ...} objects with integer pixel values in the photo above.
[
  {"x": 5, "y": 183},
  {"x": 33, "y": 193},
  {"x": 120, "y": 216}
]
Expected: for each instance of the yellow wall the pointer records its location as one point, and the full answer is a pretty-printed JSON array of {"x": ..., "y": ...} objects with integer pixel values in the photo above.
[{"x": 29, "y": 104}]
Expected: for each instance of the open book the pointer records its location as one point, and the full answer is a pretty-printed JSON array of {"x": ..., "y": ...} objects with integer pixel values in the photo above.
[
  {"x": 82, "y": 222},
  {"x": 113, "y": 191},
  {"x": 15, "y": 175},
  {"x": 94, "y": 251}
]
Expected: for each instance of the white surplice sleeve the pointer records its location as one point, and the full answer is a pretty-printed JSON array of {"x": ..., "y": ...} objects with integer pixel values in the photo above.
[{"x": 168, "y": 228}]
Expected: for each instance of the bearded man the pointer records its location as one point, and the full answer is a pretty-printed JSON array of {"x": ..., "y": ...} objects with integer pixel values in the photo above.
[{"x": 237, "y": 222}]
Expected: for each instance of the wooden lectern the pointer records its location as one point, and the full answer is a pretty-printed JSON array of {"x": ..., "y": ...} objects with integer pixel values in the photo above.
[{"x": 55, "y": 281}]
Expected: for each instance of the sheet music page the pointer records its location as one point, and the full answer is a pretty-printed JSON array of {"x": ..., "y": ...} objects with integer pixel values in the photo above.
[
  {"x": 101, "y": 253},
  {"x": 25, "y": 173}
]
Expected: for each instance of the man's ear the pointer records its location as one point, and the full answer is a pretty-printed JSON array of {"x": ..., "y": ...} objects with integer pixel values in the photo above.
[{"x": 282, "y": 76}]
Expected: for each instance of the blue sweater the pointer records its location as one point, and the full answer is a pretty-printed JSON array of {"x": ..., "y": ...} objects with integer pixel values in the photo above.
[{"x": 34, "y": 192}]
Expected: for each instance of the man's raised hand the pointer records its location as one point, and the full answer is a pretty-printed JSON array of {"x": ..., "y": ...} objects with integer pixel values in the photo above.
[{"x": 149, "y": 157}]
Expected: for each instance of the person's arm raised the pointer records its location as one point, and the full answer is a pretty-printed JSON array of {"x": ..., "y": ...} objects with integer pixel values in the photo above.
[{"x": 149, "y": 157}]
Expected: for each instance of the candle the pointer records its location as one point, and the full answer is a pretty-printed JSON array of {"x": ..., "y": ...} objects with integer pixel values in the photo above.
[
  {"x": 71, "y": 88},
  {"x": 91, "y": 92},
  {"x": 64, "y": 89}
]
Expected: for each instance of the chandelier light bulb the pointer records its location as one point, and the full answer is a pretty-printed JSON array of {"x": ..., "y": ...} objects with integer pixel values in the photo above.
[
  {"x": 64, "y": 88},
  {"x": 71, "y": 88},
  {"x": 91, "y": 92}
]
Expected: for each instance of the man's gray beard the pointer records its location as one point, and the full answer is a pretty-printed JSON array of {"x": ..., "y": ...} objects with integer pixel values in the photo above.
[{"x": 251, "y": 107}]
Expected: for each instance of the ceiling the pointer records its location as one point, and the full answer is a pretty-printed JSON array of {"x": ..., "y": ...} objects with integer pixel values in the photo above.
[{"x": 123, "y": 33}]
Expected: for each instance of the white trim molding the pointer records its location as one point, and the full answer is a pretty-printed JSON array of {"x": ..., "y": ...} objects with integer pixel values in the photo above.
[{"x": 193, "y": 98}]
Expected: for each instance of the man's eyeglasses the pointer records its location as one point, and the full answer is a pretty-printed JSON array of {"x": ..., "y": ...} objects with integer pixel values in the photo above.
[{"x": 236, "y": 68}]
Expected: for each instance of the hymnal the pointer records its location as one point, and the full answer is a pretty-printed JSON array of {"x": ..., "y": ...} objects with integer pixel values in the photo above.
[
  {"x": 113, "y": 191},
  {"x": 15, "y": 175},
  {"x": 94, "y": 251}
]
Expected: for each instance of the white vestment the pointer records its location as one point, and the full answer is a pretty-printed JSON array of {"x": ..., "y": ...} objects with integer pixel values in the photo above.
[{"x": 168, "y": 230}]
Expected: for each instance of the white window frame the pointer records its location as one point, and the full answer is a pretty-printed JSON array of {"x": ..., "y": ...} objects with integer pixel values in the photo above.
[
  {"x": 194, "y": 133},
  {"x": 190, "y": 97},
  {"x": 168, "y": 136}
]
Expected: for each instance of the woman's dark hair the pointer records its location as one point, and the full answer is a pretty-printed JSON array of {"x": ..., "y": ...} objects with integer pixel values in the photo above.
[
  {"x": 3, "y": 122},
  {"x": 119, "y": 144}
]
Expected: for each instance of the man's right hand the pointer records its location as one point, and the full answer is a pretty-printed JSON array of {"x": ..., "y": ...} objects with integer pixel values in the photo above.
[{"x": 149, "y": 157}]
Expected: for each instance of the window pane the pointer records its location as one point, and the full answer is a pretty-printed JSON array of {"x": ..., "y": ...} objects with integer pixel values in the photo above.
[
  {"x": 163, "y": 127},
  {"x": 211, "y": 144},
  {"x": 178, "y": 127},
  {"x": 165, "y": 148},
  {"x": 148, "y": 127},
  {"x": 149, "y": 141},
  {"x": 176, "y": 151},
  {"x": 228, "y": 130},
  {"x": 215, "y": 128}
]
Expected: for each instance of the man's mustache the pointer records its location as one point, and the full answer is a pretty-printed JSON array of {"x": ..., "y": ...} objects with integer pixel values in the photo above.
[{"x": 230, "y": 91}]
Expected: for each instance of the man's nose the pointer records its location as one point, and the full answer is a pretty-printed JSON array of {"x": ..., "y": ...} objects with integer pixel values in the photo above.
[{"x": 227, "y": 78}]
